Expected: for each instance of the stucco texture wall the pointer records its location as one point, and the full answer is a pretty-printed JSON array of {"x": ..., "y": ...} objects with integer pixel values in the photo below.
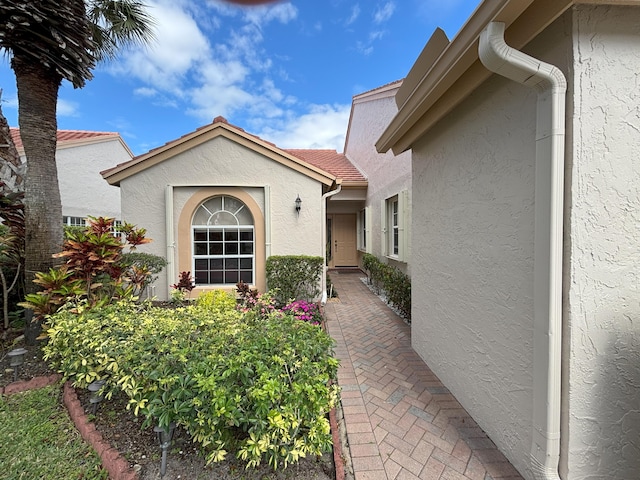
[
  {"x": 387, "y": 175},
  {"x": 472, "y": 272},
  {"x": 83, "y": 191},
  {"x": 602, "y": 280},
  {"x": 224, "y": 163}
]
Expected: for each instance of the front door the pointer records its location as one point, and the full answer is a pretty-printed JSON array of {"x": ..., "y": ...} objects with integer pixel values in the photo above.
[{"x": 344, "y": 251}]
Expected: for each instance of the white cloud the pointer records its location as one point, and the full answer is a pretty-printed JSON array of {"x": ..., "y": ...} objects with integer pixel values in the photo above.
[
  {"x": 281, "y": 12},
  {"x": 384, "y": 13},
  {"x": 355, "y": 13},
  {"x": 179, "y": 45},
  {"x": 229, "y": 75},
  {"x": 145, "y": 92},
  {"x": 323, "y": 126},
  {"x": 67, "y": 109}
]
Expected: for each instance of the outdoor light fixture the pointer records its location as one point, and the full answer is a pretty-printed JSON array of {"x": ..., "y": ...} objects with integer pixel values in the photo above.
[
  {"x": 95, "y": 398},
  {"x": 298, "y": 204},
  {"x": 16, "y": 358},
  {"x": 164, "y": 438}
]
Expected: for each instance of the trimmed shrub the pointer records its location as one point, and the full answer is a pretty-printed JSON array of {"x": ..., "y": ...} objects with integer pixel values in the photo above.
[
  {"x": 257, "y": 386},
  {"x": 390, "y": 281},
  {"x": 294, "y": 277}
]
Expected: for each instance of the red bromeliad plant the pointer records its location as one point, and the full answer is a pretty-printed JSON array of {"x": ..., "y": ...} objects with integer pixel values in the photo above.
[{"x": 93, "y": 270}]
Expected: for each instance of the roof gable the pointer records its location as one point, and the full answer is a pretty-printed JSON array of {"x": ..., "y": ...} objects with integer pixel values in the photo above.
[{"x": 219, "y": 127}]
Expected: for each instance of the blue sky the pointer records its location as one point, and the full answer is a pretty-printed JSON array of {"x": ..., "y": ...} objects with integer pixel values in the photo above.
[{"x": 286, "y": 72}]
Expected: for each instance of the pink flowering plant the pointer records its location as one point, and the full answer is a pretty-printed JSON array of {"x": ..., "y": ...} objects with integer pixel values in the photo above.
[{"x": 305, "y": 311}]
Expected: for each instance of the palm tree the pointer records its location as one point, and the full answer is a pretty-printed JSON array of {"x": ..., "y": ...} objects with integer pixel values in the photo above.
[{"x": 50, "y": 41}]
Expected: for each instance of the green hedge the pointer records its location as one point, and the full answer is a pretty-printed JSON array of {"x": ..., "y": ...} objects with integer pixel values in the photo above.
[
  {"x": 255, "y": 384},
  {"x": 294, "y": 277},
  {"x": 390, "y": 281}
]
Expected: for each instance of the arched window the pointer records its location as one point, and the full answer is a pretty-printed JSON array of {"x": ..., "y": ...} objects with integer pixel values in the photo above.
[{"x": 223, "y": 242}]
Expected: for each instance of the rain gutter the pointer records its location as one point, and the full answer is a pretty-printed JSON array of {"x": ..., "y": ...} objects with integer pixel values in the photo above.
[
  {"x": 550, "y": 85},
  {"x": 323, "y": 215}
]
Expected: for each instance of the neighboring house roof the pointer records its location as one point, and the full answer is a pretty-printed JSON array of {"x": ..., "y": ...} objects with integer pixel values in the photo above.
[
  {"x": 446, "y": 72},
  {"x": 73, "y": 138},
  {"x": 331, "y": 161},
  {"x": 219, "y": 127}
]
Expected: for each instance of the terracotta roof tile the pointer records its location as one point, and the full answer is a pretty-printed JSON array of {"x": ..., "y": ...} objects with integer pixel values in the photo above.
[
  {"x": 65, "y": 136},
  {"x": 330, "y": 161}
]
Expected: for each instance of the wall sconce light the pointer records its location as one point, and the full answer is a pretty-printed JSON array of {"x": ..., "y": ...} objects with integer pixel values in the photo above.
[
  {"x": 95, "y": 398},
  {"x": 164, "y": 438},
  {"x": 298, "y": 205},
  {"x": 16, "y": 358}
]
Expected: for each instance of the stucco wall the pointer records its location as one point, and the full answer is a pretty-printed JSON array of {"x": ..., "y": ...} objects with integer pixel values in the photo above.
[
  {"x": 387, "y": 175},
  {"x": 83, "y": 191},
  {"x": 221, "y": 162},
  {"x": 472, "y": 288},
  {"x": 603, "y": 247},
  {"x": 473, "y": 249}
]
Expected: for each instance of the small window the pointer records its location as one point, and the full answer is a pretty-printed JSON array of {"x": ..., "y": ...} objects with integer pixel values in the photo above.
[
  {"x": 73, "y": 221},
  {"x": 395, "y": 214}
]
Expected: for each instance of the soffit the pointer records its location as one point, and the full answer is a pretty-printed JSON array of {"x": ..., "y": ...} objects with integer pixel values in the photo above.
[{"x": 439, "y": 82}]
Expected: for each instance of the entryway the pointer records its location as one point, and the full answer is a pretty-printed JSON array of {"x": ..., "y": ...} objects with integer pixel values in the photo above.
[{"x": 343, "y": 247}]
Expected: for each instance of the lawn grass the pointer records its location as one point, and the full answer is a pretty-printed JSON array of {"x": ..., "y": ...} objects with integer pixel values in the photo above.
[{"x": 39, "y": 441}]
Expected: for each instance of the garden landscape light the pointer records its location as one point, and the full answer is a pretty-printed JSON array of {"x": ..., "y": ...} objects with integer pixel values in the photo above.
[
  {"x": 16, "y": 358},
  {"x": 95, "y": 398},
  {"x": 164, "y": 438}
]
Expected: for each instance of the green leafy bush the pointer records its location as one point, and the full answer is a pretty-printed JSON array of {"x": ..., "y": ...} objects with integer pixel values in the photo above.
[
  {"x": 255, "y": 385},
  {"x": 389, "y": 280},
  {"x": 294, "y": 277},
  {"x": 94, "y": 271}
]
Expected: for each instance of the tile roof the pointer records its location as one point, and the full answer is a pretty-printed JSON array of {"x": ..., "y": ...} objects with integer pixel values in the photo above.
[
  {"x": 330, "y": 161},
  {"x": 66, "y": 136}
]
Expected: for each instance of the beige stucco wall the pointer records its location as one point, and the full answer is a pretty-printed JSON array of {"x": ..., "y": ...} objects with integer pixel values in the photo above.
[
  {"x": 473, "y": 194},
  {"x": 473, "y": 255},
  {"x": 472, "y": 272},
  {"x": 601, "y": 434},
  {"x": 83, "y": 191},
  {"x": 223, "y": 163},
  {"x": 387, "y": 175}
]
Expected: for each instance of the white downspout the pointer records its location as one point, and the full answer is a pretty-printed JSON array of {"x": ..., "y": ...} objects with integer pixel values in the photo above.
[
  {"x": 171, "y": 242},
  {"x": 551, "y": 86},
  {"x": 323, "y": 215}
]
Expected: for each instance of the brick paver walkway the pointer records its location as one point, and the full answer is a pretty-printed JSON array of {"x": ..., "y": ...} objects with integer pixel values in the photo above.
[{"x": 401, "y": 422}]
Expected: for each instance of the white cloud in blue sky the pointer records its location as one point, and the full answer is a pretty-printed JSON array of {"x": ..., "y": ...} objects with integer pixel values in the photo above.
[{"x": 285, "y": 72}]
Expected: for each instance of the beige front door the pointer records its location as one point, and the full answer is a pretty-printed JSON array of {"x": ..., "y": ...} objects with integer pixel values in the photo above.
[{"x": 344, "y": 250}]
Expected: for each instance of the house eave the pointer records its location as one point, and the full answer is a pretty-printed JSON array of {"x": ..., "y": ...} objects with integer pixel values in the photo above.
[
  {"x": 446, "y": 73},
  {"x": 120, "y": 172}
]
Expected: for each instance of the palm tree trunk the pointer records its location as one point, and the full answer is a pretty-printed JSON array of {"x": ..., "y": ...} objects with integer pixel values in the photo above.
[{"x": 37, "y": 97}]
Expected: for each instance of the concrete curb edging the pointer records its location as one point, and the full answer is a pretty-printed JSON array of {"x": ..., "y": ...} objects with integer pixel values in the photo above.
[
  {"x": 338, "y": 461},
  {"x": 112, "y": 461}
]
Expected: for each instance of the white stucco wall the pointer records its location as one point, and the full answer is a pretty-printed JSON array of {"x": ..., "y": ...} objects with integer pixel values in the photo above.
[
  {"x": 472, "y": 272},
  {"x": 221, "y": 162},
  {"x": 602, "y": 303},
  {"x": 83, "y": 191},
  {"x": 387, "y": 175}
]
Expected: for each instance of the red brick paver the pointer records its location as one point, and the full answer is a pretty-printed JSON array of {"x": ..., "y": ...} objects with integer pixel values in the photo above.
[{"x": 401, "y": 421}]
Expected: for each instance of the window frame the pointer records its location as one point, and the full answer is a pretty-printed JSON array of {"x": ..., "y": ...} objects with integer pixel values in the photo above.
[{"x": 225, "y": 241}]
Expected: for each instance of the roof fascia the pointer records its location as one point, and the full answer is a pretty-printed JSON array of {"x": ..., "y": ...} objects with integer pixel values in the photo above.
[
  {"x": 437, "y": 88},
  {"x": 115, "y": 175}
]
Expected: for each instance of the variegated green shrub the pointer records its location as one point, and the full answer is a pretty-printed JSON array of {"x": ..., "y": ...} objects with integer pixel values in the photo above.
[{"x": 256, "y": 386}]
